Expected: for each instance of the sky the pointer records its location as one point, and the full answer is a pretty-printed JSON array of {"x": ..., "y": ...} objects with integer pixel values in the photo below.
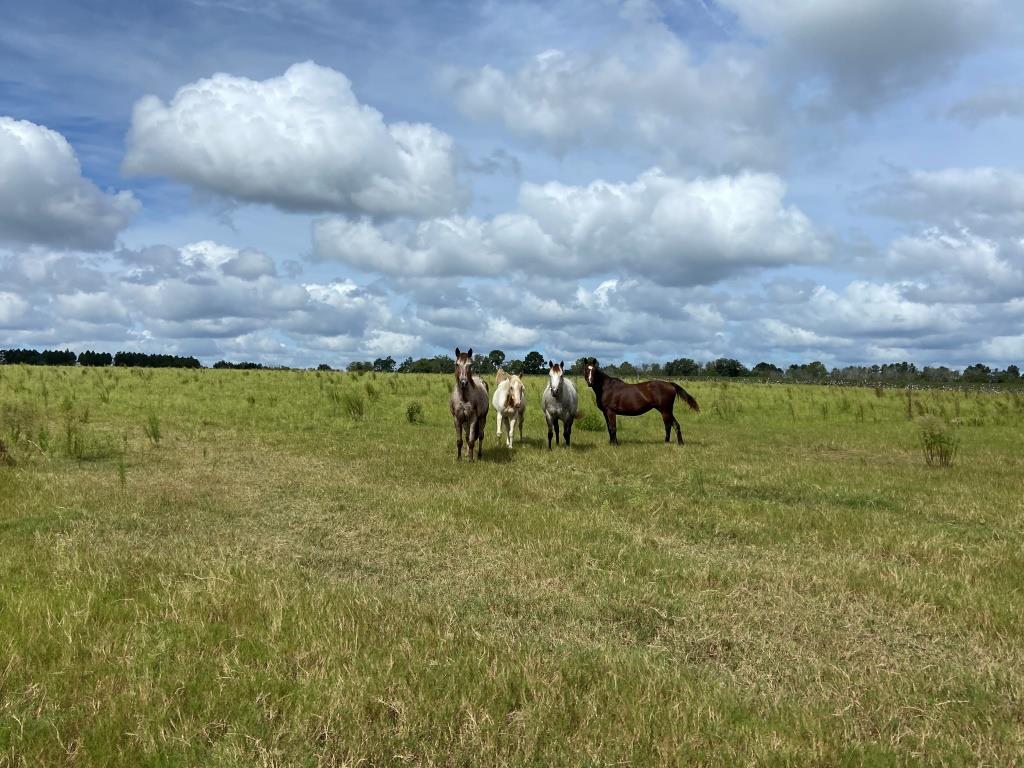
[{"x": 298, "y": 182}]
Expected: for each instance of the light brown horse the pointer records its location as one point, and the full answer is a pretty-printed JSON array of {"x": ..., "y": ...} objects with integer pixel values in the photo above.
[
  {"x": 468, "y": 405},
  {"x": 616, "y": 397}
]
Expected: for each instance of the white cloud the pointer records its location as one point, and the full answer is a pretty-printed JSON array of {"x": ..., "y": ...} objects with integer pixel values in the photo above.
[
  {"x": 96, "y": 308},
  {"x": 45, "y": 200},
  {"x": 987, "y": 199},
  {"x": 961, "y": 263},
  {"x": 651, "y": 91},
  {"x": 301, "y": 141},
  {"x": 12, "y": 309},
  {"x": 662, "y": 227},
  {"x": 870, "y": 50}
]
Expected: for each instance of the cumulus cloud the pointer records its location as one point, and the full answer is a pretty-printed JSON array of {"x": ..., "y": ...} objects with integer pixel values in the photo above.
[
  {"x": 985, "y": 198},
  {"x": 653, "y": 93},
  {"x": 663, "y": 227},
  {"x": 301, "y": 142},
  {"x": 871, "y": 50},
  {"x": 959, "y": 266},
  {"x": 45, "y": 200},
  {"x": 12, "y": 309}
]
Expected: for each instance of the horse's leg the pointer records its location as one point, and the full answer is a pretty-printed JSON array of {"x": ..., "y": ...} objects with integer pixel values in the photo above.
[
  {"x": 567, "y": 430},
  {"x": 471, "y": 439},
  {"x": 497, "y": 421},
  {"x": 458, "y": 440},
  {"x": 557, "y": 436},
  {"x": 511, "y": 430},
  {"x": 481, "y": 427},
  {"x": 669, "y": 419},
  {"x": 522, "y": 418},
  {"x": 679, "y": 431},
  {"x": 609, "y": 419},
  {"x": 548, "y": 419}
]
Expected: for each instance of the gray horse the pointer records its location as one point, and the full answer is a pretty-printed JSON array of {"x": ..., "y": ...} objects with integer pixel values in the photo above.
[
  {"x": 468, "y": 405},
  {"x": 559, "y": 402}
]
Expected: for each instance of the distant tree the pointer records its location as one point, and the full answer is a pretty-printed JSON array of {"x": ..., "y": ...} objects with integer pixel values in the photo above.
[
  {"x": 58, "y": 357},
  {"x": 1012, "y": 373},
  {"x": 384, "y": 364},
  {"x": 482, "y": 365},
  {"x": 359, "y": 366},
  {"x": 533, "y": 363},
  {"x": 515, "y": 367},
  {"x": 682, "y": 366},
  {"x": 726, "y": 366},
  {"x": 576, "y": 369},
  {"x": 815, "y": 371},
  {"x": 626, "y": 369},
  {"x": 496, "y": 357},
  {"x": 146, "y": 360},
  {"x": 406, "y": 365},
  {"x": 977, "y": 374},
  {"x": 768, "y": 370},
  {"x": 324, "y": 367},
  {"x": 91, "y": 358}
]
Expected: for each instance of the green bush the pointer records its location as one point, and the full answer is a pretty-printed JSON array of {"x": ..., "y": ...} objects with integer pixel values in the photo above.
[
  {"x": 939, "y": 441},
  {"x": 590, "y": 421},
  {"x": 414, "y": 413}
]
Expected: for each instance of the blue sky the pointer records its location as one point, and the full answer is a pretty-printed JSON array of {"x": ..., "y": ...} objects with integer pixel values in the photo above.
[{"x": 305, "y": 182}]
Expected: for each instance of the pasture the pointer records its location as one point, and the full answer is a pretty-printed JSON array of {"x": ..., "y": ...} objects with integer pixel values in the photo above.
[{"x": 237, "y": 568}]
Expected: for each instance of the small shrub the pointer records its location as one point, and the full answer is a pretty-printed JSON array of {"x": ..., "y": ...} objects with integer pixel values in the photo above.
[
  {"x": 939, "y": 441},
  {"x": 353, "y": 404},
  {"x": 372, "y": 393},
  {"x": 590, "y": 421},
  {"x": 152, "y": 428},
  {"x": 414, "y": 413}
]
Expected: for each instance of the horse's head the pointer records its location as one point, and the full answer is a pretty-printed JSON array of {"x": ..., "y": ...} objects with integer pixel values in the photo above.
[
  {"x": 463, "y": 368},
  {"x": 516, "y": 393},
  {"x": 555, "y": 373},
  {"x": 590, "y": 370}
]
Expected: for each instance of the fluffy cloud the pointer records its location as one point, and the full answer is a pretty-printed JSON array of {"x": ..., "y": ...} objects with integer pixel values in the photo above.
[
  {"x": 45, "y": 200},
  {"x": 986, "y": 198},
  {"x": 12, "y": 309},
  {"x": 300, "y": 142},
  {"x": 870, "y": 50},
  {"x": 663, "y": 227},
  {"x": 959, "y": 266},
  {"x": 714, "y": 113}
]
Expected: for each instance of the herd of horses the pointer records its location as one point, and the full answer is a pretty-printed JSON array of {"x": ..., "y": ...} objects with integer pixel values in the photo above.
[{"x": 559, "y": 403}]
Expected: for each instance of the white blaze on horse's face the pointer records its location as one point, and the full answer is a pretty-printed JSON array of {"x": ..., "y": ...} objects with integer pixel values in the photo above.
[
  {"x": 588, "y": 372},
  {"x": 555, "y": 379}
]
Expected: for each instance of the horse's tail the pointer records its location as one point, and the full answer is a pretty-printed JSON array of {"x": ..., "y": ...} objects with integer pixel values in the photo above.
[{"x": 686, "y": 397}]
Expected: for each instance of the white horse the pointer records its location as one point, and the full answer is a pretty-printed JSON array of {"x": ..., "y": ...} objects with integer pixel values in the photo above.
[
  {"x": 509, "y": 403},
  {"x": 559, "y": 402}
]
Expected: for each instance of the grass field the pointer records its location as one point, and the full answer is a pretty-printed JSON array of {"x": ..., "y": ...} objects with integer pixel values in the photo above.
[{"x": 228, "y": 568}]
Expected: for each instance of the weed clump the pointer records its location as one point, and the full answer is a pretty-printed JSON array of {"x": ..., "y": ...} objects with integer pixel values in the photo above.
[
  {"x": 939, "y": 441},
  {"x": 414, "y": 413},
  {"x": 152, "y": 428},
  {"x": 353, "y": 404},
  {"x": 590, "y": 421}
]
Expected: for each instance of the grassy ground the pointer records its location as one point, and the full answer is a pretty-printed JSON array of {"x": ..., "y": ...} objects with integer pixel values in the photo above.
[{"x": 229, "y": 568}]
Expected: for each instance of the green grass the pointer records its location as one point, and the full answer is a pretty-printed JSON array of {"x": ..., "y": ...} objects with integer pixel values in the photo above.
[{"x": 295, "y": 572}]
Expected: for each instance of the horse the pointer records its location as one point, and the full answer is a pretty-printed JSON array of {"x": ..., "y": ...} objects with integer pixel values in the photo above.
[
  {"x": 559, "y": 402},
  {"x": 614, "y": 396},
  {"x": 509, "y": 403},
  {"x": 468, "y": 405}
]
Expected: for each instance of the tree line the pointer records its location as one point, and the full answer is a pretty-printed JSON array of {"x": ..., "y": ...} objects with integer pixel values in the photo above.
[{"x": 534, "y": 363}]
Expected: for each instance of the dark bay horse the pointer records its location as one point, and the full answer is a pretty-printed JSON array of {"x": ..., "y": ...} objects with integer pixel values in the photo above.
[
  {"x": 616, "y": 397},
  {"x": 468, "y": 405}
]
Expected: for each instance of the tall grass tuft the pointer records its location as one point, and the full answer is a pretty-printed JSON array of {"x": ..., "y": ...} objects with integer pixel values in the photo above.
[
  {"x": 353, "y": 404},
  {"x": 939, "y": 441},
  {"x": 414, "y": 413},
  {"x": 590, "y": 421},
  {"x": 152, "y": 428}
]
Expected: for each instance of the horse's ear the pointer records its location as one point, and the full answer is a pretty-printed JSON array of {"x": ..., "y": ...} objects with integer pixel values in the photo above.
[
  {"x": 550, "y": 364},
  {"x": 562, "y": 365},
  {"x": 469, "y": 353},
  {"x": 457, "y": 353}
]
